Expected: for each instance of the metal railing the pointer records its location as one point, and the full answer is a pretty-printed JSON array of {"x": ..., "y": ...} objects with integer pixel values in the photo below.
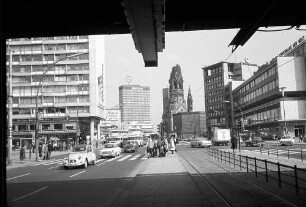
[
  {"x": 282, "y": 174},
  {"x": 275, "y": 149}
]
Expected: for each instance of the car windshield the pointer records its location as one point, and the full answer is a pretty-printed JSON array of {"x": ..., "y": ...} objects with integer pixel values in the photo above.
[
  {"x": 109, "y": 146},
  {"x": 79, "y": 149}
]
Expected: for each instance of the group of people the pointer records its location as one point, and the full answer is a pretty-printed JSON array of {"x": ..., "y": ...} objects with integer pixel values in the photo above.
[
  {"x": 44, "y": 151},
  {"x": 159, "y": 147}
]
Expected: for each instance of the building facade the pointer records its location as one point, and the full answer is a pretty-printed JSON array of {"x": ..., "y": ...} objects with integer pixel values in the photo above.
[
  {"x": 260, "y": 103},
  {"x": 71, "y": 91},
  {"x": 134, "y": 103},
  {"x": 215, "y": 78}
]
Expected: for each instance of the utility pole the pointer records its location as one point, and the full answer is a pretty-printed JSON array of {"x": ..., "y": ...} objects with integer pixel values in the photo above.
[{"x": 10, "y": 111}]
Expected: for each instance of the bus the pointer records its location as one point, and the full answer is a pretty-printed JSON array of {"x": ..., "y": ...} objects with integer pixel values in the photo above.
[
  {"x": 136, "y": 135},
  {"x": 118, "y": 135}
]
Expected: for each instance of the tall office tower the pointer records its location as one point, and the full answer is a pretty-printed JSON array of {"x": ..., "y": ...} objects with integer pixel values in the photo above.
[
  {"x": 215, "y": 78},
  {"x": 134, "y": 102},
  {"x": 71, "y": 91}
]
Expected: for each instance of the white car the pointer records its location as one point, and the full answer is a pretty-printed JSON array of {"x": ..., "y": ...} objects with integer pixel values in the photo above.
[
  {"x": 110, "y": 150},
  {"x": 286, "y": 140},
  {"x": 81, "y": 155},
  {"x": 200, "y": 142}
]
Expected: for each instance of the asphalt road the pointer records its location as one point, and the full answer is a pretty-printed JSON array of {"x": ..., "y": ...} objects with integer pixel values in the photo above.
[{"x": 187, "y": 178}]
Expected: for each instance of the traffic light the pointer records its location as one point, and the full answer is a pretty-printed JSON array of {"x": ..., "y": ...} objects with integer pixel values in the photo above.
[
  {"x": 239, "y": 124},
  {"x": 158, "y": 128}
]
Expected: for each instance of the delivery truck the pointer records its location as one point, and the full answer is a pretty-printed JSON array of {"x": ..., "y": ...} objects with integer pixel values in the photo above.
[{"x": 221, "y": 137}]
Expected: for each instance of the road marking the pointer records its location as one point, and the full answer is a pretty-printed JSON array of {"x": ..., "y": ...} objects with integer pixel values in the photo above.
[
  {"x": 101, "y": 163},
  {"x": 135, "y": 157},
  {"x": 52, "y": 162},
  {"x": 124, "y": 158},
  {"x": 18, "y": 176},
  {"x": 54, "y": 167},
  {"x": 114, "y": 158},
  {"x": 16, "y": 199},
  {"x": 100, "y": 160},
  {"x": 77, "y": 173},
  {"x": 145, "y": 157}
]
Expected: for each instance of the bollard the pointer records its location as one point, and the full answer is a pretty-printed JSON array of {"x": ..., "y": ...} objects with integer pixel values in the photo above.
[
  {"x": 255, "y": 166},
  {"x": 279, "y": 176},
  {"x": 296, "y": 180},
  {"x": 268, "y": 150},
  {"x": 30, "y": 154},
  {"x": 301, "y": 154}
]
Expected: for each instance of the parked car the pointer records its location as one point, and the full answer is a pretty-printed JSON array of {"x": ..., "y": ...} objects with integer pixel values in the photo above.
[
  {"x": 254, "y": 142},
  {"x": 81, "y": 155},
  {"x": 200, "y": 142},
  {"x": 110, "y": 150},
  {"x": 130, "y": 147},
  {"x": 286, "y": 140}
]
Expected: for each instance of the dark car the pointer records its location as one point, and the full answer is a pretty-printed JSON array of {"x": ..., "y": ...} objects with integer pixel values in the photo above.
[
  {"x": 129, "y": 147},
  {"x": 254, "y": 142}
]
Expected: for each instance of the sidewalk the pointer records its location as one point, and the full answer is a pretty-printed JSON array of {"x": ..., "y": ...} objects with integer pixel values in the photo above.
[{"x": 27, "y": 162}]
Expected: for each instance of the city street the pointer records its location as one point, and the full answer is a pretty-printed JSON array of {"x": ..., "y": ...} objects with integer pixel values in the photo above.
[{"x": 186, "y": 178}]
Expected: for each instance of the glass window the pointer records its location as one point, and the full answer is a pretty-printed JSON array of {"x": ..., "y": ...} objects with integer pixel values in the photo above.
[
  {"x": 60, "y": 78},
  {"x": 60, "y": 99}
]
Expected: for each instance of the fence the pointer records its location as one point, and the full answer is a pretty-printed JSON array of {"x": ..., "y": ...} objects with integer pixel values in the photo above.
[
  {"x": 277, "y": 150},
  {"x": 282, "y": 174}
]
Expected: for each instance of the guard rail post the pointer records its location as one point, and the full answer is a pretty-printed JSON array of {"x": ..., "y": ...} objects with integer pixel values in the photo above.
[
  {"x": 240, "y": 160},
  {"x": 247, "y": 164},
  {"x": 266, "y": 165},
  {"x": 277, "y": 151},
  {"x": 279, "y": 175},
  {"x": 296, "y": 180},
  {"x": 301, "y": 154},
  {"x": 268, "y": 150},
  {"x": 255, "y": 166}
]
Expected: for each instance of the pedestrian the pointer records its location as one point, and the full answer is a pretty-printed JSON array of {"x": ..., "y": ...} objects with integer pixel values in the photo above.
[
  {"x": 50, "y": 148},
  {"x": 64, "y": 146},
  {"x": 45, "y": 151},
  {"x": 40, "y": 151},
  {"x": 234, "y": 143},
  {"x": 150, "y": 146},
  {"x": 301, "y": 138},
  {"x": 172, "y": 145},
  {"x": 159, "y": 146},
  {"x": 22, "y": 154}
]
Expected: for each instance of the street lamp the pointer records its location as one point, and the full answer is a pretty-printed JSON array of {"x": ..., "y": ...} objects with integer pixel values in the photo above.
[
  {"x": 242, "y": 122},
  {"x": 38, "y": 87},
  {"x": 283, "y": 97}
]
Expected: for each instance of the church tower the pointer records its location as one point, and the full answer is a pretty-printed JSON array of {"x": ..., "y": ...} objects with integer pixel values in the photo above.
[{"x": 189, "y": 101}]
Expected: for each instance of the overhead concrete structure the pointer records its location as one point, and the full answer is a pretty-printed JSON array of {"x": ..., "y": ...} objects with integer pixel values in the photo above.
[{"x": 146, "y": 20}]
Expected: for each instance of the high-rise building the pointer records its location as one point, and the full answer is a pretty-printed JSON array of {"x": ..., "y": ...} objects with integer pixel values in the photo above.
[
  {"x": 71, "y": 91},
  {"x": 215, "y": 78},
  {"x": 134, "y": 103}
]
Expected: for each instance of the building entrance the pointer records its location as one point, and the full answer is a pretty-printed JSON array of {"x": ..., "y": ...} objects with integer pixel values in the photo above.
[{"x": 299, "y": 130}]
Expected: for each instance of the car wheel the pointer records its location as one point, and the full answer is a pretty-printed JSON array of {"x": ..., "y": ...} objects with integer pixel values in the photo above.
[
  {"x": 93, "y": 162},
  {"x": 65, "y": 167},
  {"x": 85, "y": 164}
]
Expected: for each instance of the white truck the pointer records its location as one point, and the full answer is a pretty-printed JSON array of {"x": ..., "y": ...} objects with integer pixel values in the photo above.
[{"x": 221, "y": 137}]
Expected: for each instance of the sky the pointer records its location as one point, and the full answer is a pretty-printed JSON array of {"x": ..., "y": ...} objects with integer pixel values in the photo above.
[{"x": 190, "y": 50}]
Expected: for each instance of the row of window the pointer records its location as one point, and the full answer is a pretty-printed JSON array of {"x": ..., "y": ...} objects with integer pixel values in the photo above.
[
  {"x": 70, "y": 110},
  {"x": 215, "y": 113},
  {"x": 50, "y": 78},
  {"x": 50, "y": 38},
  {"x": 215, "y": 92},
  {"x": 214, "y": 79},
  {"x": 48, "y": 47},
  {"x": 258, "y": 80},
  {"x": 216, "y": 107},
  {"x": 215, "y": 71},
  {"x": 265, "y": 116},
  {"x": 213, "y": 86},
  {"x": 51, "y": 99},
  {"x": 262, "y": 90},
  {"x": 56, "y": 68},
  {"x": 49, "y": 57},
  {"x": 216, "y": 121},
  {"x": 216, "y": 99},
  {"x": 28, "y": 90}
]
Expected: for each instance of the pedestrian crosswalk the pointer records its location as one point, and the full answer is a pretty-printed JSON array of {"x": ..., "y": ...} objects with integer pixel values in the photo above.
[{"x": 118, "y": 159}]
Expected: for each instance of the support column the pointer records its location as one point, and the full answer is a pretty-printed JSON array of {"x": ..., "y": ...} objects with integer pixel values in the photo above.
[{"x": 92, "y": 130}]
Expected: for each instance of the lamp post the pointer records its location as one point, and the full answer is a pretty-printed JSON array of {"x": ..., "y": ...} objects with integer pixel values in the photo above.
[
  {"x": 283, "y": 97},
  {"x": 242, "y": 122},
  {"x": 36, "y": 102}
]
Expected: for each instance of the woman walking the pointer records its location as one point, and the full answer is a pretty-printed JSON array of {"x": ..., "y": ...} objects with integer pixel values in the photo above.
[
  {"x": 172, "y": 145},
  {"x": 22, "y": 154}
]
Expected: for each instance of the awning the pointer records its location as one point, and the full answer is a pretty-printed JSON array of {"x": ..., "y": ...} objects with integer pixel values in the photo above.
[{"x": 54, "y": 139}]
